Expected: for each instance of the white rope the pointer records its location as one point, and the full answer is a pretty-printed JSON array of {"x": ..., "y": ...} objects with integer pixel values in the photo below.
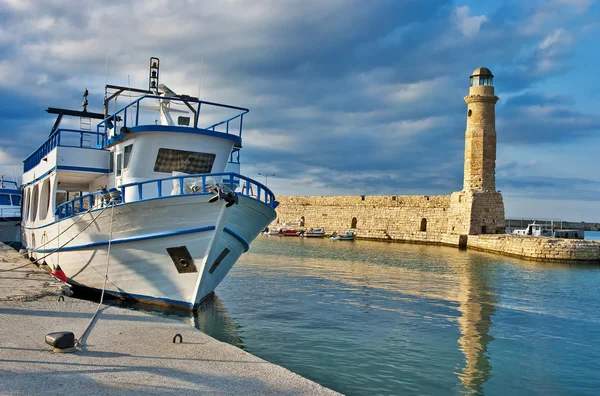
[
  {"x": 67, "y": 229},
  {"x": 80, "y": 341},
  {"x": 69, "y": 241}
]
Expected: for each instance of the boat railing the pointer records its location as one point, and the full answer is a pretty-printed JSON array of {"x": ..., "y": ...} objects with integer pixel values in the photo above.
[
  {"x": 182, "y": 185},
  {"x": 130, "y": 116},
  {"x": 64, "y": 138}
]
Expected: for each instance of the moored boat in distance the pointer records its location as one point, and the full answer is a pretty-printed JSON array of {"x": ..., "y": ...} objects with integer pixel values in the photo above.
[
  {"x": 347, "y": 236},
  {"x": 273, "y": 232},
  {"x": 158, "y": 203},
  {"x": 290, "y": 232},
  {"x": 315, "y": 233},
  {"x": 10, "y": 211},
  {"x": 549, "y": 231}
]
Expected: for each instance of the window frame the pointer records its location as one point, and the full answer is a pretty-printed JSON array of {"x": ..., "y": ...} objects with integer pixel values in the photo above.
[
  {"x": 159, "y": 167},
  {"x": 127, "y": 158}
]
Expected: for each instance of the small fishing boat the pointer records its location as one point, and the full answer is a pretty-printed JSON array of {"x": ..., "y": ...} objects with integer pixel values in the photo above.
[
  {"x": 156, "y": 210},
  {"x": 315, "y": 233},
  {"x": 10, "y": 211},
  {"x": 347, "y": 236},
  {"x": 290, "y": 232},
  {"x": 273, "y": 232}
]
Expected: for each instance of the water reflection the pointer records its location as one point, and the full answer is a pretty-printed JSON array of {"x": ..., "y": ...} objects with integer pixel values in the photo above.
[
  {"x": 477, "y": 305},
  {"x": 211, "y": 318},
  {"x": 374, "y": 318}
]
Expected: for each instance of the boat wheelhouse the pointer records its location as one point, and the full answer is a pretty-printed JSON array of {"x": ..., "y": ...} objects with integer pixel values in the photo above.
[
  {"x": 10, "y": 211},
  {"x": 157, "y": 204}
]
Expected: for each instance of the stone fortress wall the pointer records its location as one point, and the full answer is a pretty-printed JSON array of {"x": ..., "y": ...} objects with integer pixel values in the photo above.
[{"x": 465, "y": 218}]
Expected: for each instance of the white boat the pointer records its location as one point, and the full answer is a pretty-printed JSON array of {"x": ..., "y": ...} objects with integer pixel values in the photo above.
[
  {"x": 165, "y": 198},
  {"x": 549, "y": 231},
  {"x": 347, "y": 236},
  {"x": 10, "y": 211},
  {"x": 315, "y": 233},
  {"x": 273, "y": 232}
]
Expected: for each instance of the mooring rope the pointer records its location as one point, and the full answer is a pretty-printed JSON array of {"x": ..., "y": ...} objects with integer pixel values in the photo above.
[
  {"x": 80, "y": 341},
  {"x": 69, "y": 241},
  {"x": 66, "y": 229}
]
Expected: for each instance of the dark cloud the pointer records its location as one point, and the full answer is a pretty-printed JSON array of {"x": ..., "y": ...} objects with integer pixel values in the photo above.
[{"x": 343, "y": 94}]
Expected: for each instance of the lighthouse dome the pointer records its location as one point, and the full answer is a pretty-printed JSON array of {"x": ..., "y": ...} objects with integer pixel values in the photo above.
[{"x": 482, "y": 76}]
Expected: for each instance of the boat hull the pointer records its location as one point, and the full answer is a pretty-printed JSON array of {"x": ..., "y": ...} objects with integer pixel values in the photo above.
[
  {"x": 149, "y": 240},
  {"x": 10, "y": 230}
]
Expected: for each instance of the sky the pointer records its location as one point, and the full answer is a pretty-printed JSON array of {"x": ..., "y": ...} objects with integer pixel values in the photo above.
[{"x": 346, "y": 97}]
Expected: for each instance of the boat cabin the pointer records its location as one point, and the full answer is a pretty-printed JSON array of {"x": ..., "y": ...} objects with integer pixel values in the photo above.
[
  {"x": 10, "y": 200},
  {"x": 156, "y": 134}
]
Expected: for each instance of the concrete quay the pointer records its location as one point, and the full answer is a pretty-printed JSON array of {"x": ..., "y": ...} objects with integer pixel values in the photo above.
[{"x": 126, "y": 352}]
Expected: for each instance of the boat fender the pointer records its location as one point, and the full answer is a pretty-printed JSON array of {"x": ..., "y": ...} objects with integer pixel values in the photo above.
[{"x": 178, "y": 336}]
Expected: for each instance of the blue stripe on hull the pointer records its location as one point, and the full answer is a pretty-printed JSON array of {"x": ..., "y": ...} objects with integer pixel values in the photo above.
[
  {"x": 129, "y": 239},
  {"x": 238, "y": 237}
]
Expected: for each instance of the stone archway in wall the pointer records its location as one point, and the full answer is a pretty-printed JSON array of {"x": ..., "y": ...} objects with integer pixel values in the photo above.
[
  {"x": 423, "y": 225},
  {"x": 354, "y": 221},
  {"x": 302, "y": 220}
]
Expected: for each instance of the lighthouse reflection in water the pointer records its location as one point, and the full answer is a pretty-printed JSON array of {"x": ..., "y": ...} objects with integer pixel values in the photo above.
[{"x": 376, "y": 318}]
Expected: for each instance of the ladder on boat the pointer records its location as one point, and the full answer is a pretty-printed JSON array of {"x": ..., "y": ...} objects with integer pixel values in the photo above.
[{"x": 85, "y": 124}]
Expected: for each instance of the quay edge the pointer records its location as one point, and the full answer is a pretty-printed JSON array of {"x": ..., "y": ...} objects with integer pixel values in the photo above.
[{"x": 127, "y": 351}]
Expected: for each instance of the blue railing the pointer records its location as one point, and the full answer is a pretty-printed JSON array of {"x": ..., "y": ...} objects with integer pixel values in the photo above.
[
  {"x": 63, "y": 138},
  {"x": 153, "y": 189},
  {"x": 77, "y": 205},
  {"x": 129, "y": 119}
]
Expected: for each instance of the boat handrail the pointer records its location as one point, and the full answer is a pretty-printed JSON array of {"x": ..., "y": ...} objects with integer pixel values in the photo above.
[
  {"x": 122, "y": 115},
  {"x": 4, "y": 183},
  {"x": 228, "y": 179},
  {"x": 59, "y": 138}
]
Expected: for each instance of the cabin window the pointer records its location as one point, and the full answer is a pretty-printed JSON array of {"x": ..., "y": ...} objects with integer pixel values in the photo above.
[
  {"x": 111, "y": 165},
  {"x": 45, "y": 199},
  {"x": 119, "y": 163},
  {"x": 25, "y": 209},
  {"x": 189, "y": 162},
  {"x": 16, "y": 200},
  {"x": 34, "y": 203},
  {"x": 127, "y": 155},
  {"x": 4, "y": 199}
]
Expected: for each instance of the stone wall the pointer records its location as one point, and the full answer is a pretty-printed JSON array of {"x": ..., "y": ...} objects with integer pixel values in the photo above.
[
  {"x": 537, "y": 248},
  {"x": 420, "y": 219}
]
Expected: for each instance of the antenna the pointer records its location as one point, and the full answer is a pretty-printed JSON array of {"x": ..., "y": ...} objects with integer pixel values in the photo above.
[
  {"x": 85, "y": 100},
  {"x": 106, "y": 87},
  {"x": 154, "y": 72}
]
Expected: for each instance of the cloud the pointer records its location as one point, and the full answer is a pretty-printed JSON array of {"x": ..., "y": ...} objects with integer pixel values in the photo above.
[
  {"x": 345, "y": 96},
  {"x": 533, "y": 118},
  {"x": 468, "y": 25}
]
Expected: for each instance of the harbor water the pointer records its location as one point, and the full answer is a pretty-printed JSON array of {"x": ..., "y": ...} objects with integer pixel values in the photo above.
[{"x": 367, "y": 318}]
